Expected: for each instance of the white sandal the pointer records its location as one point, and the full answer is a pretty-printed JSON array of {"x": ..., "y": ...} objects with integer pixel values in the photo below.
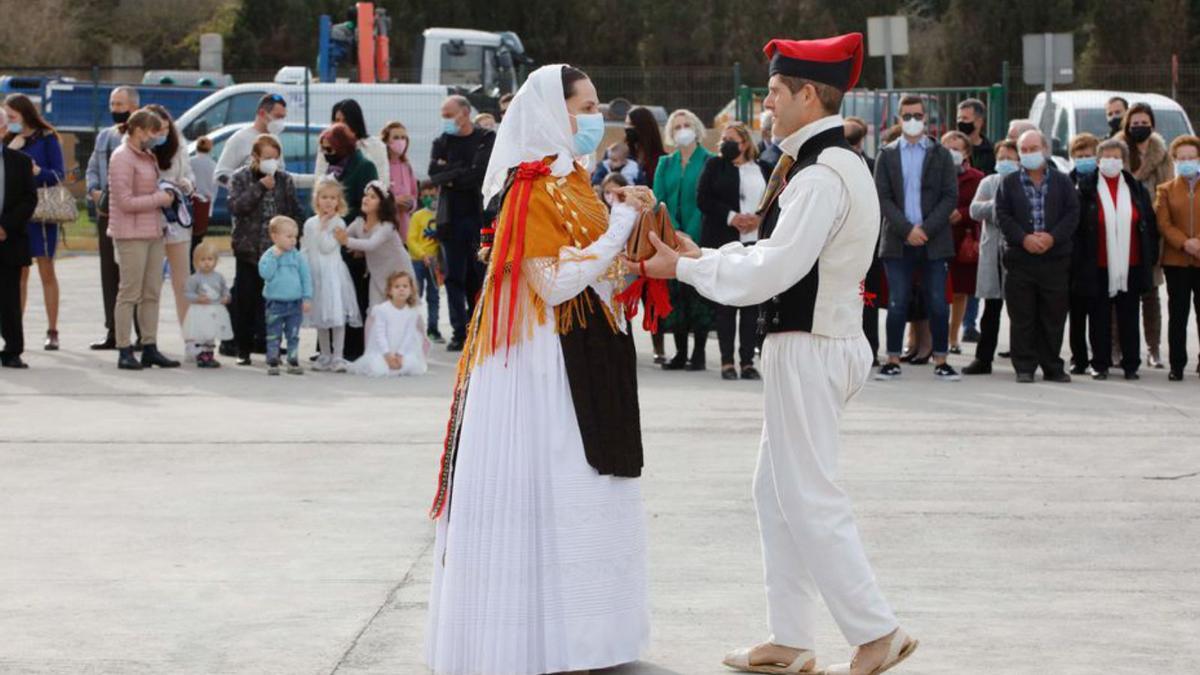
[
  {"x": 740, "y": 660},
  {"x": 901, "y": 647}
]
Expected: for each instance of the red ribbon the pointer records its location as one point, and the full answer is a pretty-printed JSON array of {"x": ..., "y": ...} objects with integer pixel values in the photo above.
[
  {"x": 657, "y": 296},
  {"x": 515, "y": 215}
]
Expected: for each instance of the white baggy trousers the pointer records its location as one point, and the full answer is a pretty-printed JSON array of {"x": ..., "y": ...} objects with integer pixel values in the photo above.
[{"x": 809, "y": 539}]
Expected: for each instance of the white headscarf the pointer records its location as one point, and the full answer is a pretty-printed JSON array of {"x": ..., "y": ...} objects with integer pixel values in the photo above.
[{"x": 535, "y": 126}]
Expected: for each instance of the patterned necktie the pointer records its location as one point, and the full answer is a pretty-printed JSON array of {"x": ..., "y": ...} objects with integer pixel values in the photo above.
[{"x": 776, "y": 183}]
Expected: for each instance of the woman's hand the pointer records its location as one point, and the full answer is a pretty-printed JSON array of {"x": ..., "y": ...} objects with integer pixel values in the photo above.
[
  {"x": 639, "y": 197},
  {"x": 268, "y": 182},
  {"x": 164, "y": 198},
  {"x": 37, "y": 170},
  {"x": 17, "y": 143},
  {"x": 341, "y": 235},
  {"x": 407, "y": 202},
  {"x": 394, "y": 361},
  {"x": 201, "y": 300}
]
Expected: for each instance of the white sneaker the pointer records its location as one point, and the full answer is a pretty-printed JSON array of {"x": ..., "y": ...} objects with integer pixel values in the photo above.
[
  {"x": 322, "y": 364},
  {"x": 339, "y": 365}
]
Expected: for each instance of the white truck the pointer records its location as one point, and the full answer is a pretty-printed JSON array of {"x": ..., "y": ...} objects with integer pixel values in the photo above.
[{"x": 480, "y": 65}]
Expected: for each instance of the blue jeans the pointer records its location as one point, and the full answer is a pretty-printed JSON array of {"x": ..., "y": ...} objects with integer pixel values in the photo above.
[
  {"x": 427, "y": 286},
  {"x": 283, "y": 319},
  {"x": 971, "y": 315},
  {"x": 900, "y": 272}
]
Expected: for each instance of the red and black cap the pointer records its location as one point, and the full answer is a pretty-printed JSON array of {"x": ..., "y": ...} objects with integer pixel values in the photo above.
[{"x": 835, "y": 61}]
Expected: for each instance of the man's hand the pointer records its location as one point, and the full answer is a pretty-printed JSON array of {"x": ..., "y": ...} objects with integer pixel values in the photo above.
[
  {"x": 917, "y": 236},
  {"x": 268, "y": 182},
  {"x": 662, "y": 264},
  {"x": 1192, "y": 247},
  {"x": 306, "y": 306},
  {"x": 955, "y": 217},
  {"x": 1034, "y": 244},
  {"x": 394, "y": 361},
  {"x": 1047, "y": 240},
  {"x": 95, "y": 195},
  {"x": 225, "y": 300}
]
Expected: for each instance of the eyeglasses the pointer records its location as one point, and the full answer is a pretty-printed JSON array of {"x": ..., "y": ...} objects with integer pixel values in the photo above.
[{"x": 912, "y": 116}]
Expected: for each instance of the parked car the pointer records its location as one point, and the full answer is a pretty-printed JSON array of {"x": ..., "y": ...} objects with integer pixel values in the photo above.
[
  {"x": 299, "y": 157},
  {"x": 1074, "y": 112}
]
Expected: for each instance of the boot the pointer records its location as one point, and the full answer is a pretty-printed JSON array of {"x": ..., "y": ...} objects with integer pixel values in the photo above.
[
  {"x": 152, "y": 357},
  {"x": 698, "y": 361},
  {"x": 126, "y": 360}
]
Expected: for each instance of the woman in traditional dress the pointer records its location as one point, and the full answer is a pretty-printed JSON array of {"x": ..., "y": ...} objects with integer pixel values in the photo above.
[{"x": 540, "y": 560}]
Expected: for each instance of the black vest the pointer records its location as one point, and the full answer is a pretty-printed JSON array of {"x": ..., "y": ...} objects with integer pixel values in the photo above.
[{"x": 792, "y": 310}]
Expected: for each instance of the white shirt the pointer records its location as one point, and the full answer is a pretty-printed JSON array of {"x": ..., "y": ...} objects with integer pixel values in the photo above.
[
  {"x": 237, "y": 153},
  {"x": 752, "y": 185},
  {"x": 811, "y": 205}
]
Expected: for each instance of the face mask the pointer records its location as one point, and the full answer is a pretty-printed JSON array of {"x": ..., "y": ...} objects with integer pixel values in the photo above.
[
  {"x": 1032, "y": 161},
  {"x": 1140, "y": 134},
  {"x": 684, "y": 137},
  {"x": 158, "y": 141},
  {"x": 398, "y": 145},
  {"x": 275, "y": 127},
  {"x": 967, "y": 128},
  {"x": 427, "y": 202},
  {"x": 913, "y": 128},
  {"x": 730, "y": 150},
  {"x": 268, "y": 166},
  {"x": 449, "y": 126},
  {"x": 1187, "y": 167},
  {"x": 591, "y": 130},
  {"x": 15, "y": 127},
  {"x": 956, "y": 157},
  {"x": 1006, "y": 166},
  {"x": 1114, "y": 123},
  {"x": 331, "y": 158},
  {"x": 1111, "y": 166},
  {"x": 631, "y": 135},
  {"x": 1085, "y": 166},
  {"x": 120, "y": 117}
]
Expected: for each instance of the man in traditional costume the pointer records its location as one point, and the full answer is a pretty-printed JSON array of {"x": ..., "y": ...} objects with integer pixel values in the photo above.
[{"x": 820, "y": 225}]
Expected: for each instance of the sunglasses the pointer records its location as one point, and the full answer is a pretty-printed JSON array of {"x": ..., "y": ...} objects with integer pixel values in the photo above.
[{"x": 912, "y": 116}]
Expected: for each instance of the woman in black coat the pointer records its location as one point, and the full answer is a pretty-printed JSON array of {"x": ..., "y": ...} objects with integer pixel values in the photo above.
[
  {"x": 1098, "y": 210},
  {"x": 728, "y": 194}
]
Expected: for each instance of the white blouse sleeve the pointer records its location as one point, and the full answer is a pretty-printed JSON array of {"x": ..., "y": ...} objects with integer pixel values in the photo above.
[
  {"x": 577, "y": 269},
  {"x": 741, "y": 276}
]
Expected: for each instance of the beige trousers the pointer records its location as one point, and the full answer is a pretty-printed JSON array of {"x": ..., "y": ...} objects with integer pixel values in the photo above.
[{"x": 141, "y": 265}]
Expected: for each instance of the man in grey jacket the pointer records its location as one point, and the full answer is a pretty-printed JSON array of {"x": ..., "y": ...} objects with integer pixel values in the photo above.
[
  {"x": 121, "y": 103},
  {"x": 917, "y": 181}
]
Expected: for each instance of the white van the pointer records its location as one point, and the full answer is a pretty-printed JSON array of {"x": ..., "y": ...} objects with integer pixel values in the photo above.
[
  {"x": 417, "y": 106},
  {"x": 1075, "y": 112}
]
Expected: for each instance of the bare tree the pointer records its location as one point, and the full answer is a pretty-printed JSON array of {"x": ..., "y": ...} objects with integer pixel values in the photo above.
[{"x": 41, "y": 33}]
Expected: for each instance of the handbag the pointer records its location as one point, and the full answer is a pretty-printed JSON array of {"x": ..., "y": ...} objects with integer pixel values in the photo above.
[
  {"x": 657, "y": 220},
  {"x": 55, "y": 204},
  {"x": 968, "y": 250}
]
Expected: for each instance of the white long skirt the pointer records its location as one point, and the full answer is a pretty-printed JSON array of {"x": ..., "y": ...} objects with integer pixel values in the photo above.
[{"x": 541, "y": 565}]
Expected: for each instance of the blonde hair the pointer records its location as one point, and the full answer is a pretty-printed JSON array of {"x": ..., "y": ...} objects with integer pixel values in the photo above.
[
  {"x": 326, "y": 184},
  {"x": 959, "y": 136},
  {"x": 1181, "y": 141},
  {"x": 412, "y": 284},
  {"x": 1084, "y": 141},
  {"x": 743, "y": 133},
  {"x": 204, "y": 250},
  {"x": 387, "y": 131},
  {"x": 279, "y": 222},
  {"x": 692, "y": 121}
]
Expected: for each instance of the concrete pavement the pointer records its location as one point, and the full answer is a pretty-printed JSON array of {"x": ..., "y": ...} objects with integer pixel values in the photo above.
[{"x": 226, "y": 522}]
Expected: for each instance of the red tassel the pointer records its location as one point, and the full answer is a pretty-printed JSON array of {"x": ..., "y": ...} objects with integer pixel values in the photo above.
[
  {"x": 868, "y": 297},
  {"x": 657, "y": 297}
]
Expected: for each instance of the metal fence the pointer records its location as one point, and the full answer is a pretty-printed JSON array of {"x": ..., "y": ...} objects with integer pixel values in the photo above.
[{"x": 705, "y": 91}]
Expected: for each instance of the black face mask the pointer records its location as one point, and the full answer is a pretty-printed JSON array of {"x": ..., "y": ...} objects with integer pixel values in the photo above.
[
  {"x": 730, "y": 150},
  {"x": 631, "y": 135},
  {"x": 331, "y": 158},
  {"x": 967, "y": 128},
  {"x": 1140, "y": 134},
  {"x": 120, "y": 117},
  {"x": 1114, "y": 123}
]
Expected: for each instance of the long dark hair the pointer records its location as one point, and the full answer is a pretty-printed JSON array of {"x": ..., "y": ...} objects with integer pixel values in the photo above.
[
  {"x": 165, "y": 152},
  {"x": 648, "y": 147},
  {"x": 387, "y": 203},
  {"x": 1135, "y": 155},
  {"x": 29, "y": 113},
  {"x": 353, "y": 115}
]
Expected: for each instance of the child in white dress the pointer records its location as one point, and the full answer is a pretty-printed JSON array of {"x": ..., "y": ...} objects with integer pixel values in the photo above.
[
  {"x": 395, "y": 341},
  {"x": 207, "y": 319},
  {"x": 334, "y": 305}
]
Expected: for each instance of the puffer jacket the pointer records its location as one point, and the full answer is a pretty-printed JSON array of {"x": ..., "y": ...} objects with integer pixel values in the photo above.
[
  {"x": 253, "y": 206},
  {"x": 133, "y": 211}
]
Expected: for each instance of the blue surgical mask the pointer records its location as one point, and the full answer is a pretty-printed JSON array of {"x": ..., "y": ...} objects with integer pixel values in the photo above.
[
  {"x": 591, "y": 130},
  {"x": 1085, "y": 166},
  {"x": 1032, "y": 161},
  {"x": 15, "y": 127},
  {"x": 1006, "y": 166},
  {"x": 1187, "y": 168},
  {"x": 449, "y": 126},
  {"x": 158, "y": 141}
]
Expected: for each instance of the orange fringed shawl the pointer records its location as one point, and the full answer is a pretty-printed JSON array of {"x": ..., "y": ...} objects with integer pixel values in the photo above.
[{"x": 541, "y": 215}]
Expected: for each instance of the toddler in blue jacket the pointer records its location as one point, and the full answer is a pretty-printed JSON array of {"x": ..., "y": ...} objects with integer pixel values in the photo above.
[{"x": 287, "y": 288}]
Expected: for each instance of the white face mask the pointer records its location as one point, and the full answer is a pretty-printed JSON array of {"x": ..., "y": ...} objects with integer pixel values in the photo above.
[
  {"x": 956, "y": 157},
  {"x": 268, "y": 166},
  {"x": 685, "y": 137},
  {"x": 913, "y": 128},
  {"x": 275, "y": 127},
  {"x": 1111, "y": 166}
]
